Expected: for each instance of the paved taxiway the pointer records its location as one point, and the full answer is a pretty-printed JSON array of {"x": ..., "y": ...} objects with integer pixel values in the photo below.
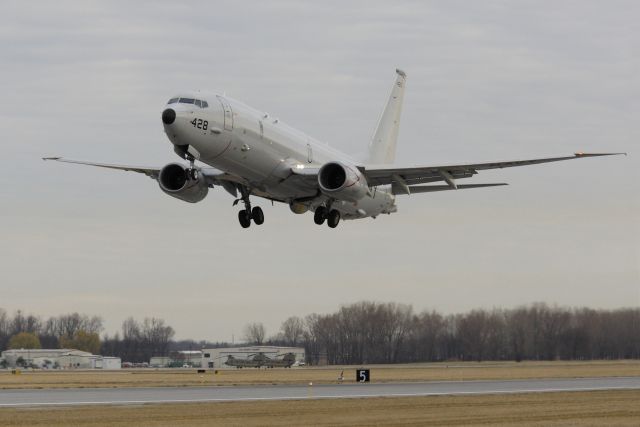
[{"x": 121, "y": 396}]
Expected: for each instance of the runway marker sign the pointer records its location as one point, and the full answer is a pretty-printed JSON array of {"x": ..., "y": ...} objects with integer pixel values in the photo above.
[{"x": 363, "y": 375}]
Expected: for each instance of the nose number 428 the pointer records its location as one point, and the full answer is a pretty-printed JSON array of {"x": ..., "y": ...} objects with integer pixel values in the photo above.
[{"x": 200, "y": 124}]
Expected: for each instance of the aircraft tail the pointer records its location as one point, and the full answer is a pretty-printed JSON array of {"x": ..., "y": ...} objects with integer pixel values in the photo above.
[{"x": 382, "y": 149}]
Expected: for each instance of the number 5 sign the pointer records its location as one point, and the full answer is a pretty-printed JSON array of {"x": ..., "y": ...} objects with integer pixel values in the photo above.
[{"x": 362, "y": 375}]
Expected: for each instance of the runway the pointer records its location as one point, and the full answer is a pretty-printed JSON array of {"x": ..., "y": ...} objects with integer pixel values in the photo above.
[{"x": 131, "y": 396}]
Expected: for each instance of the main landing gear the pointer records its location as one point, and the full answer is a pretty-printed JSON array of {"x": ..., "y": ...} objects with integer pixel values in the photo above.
[
  {"x": 323, "y": 213},
  {"x": 248, "y": 214}
]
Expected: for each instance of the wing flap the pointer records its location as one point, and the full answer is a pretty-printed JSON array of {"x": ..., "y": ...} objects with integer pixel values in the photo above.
[{"x": 431, "y": 188}]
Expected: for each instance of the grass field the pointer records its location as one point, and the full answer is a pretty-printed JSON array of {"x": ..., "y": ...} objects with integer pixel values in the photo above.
[
  {"x": 318, "y": 375},
  {"x": 543, "y": 409}
]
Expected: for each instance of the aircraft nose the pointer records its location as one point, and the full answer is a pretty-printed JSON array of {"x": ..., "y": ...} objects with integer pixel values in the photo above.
[{"x": 168, "y": 116}]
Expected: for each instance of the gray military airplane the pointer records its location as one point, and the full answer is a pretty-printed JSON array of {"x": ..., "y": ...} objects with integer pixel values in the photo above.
[{"x": 248, "y": 152}]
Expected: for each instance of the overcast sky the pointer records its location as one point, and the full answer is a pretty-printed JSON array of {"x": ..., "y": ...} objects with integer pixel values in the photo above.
[{"x": 490, "y": 80}]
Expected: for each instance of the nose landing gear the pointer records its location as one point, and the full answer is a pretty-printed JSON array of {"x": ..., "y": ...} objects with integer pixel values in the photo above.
[{"x": 248, "y": 213}]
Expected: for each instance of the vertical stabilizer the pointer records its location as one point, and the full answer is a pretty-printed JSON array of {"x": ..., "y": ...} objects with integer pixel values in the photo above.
[{"x": 383, "y": 145}]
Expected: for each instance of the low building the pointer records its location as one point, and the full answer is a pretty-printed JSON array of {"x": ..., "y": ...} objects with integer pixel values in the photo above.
[
  {"x": 216, "y": 358},
  {"x": 160, "y": 362},
  {"x": 178, "y": 359},
  {"x": 182, "y": 358},
  {"x": 108, "y": 362},
  {"x": 64, "y": 358}
]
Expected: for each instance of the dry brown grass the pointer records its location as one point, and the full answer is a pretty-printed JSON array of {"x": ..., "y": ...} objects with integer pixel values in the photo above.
[
  {"x": 319, "y": 375},
  {"x": 574, "y": 408}
]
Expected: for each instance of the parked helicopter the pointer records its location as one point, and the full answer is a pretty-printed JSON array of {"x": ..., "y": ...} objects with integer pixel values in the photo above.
[{"x": 259, "y": 360}]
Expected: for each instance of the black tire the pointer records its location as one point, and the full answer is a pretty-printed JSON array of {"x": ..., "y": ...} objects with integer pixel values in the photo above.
[
  {"x": 320, "y": 215},
  {"x": 244, "y": 218},
  {"x": 257, "y": 215},
  {"x": 333, "y": 219}
]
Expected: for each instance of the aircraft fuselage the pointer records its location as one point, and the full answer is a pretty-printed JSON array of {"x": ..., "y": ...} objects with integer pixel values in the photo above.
[{"x": 262, "y": 151}]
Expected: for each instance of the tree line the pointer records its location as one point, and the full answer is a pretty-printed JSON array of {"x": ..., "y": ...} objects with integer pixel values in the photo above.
[
  {"x": 366, "y": 332},
  {"x": 138, "y": 342},
  {"x": 369, "y": 332}
]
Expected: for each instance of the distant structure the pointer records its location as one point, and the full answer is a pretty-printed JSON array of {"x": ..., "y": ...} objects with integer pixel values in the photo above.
[
  {"x": 216, "y": 358},
  {"x": 63, "y": 358},
  {"x": 160, "y": 362},
  {"x": 178, "y": 359}
]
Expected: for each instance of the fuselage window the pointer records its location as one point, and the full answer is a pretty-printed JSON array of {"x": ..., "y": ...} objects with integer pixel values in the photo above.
[
  {"x": 198, "y": 103},
  {"x": 173, "y": 100},
  {"x": 187, "y": 100}
]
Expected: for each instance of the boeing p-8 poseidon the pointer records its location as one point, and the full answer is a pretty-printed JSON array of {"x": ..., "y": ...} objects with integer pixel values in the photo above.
[{"x": 249, "y": 153}]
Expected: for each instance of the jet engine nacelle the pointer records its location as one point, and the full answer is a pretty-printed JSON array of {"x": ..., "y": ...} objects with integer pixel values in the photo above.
[
  {"x": 342, "y": 182},
  {"x": 176, "y": 180}
]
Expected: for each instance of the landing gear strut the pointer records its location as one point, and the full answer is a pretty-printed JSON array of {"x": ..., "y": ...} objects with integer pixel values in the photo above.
[
  {"x": 183, "y": 151},
  {"x": 192, "y": 172},
  {"x": 247, "y": 214}
]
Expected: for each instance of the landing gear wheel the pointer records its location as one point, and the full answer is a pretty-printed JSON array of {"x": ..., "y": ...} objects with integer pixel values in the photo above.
[
  {"x": 320, "y": 215},
  {"x": 257, "y": 215},
  {"x": 333, "y": 218},
  {"x": 244, "y": 218}
]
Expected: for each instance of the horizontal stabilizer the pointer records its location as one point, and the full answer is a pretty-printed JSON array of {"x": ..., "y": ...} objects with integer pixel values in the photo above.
[{"x": 431, "y": 188}]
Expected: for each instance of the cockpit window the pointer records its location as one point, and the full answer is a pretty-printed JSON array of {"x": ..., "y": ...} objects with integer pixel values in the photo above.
[{"x": 198, "y": 102}]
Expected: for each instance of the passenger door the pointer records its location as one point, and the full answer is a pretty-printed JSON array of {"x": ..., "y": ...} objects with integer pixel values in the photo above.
[{"x": 228, "y": 114}]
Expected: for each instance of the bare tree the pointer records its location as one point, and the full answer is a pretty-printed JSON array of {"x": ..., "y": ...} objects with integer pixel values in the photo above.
[
  {"x": 427, "y": 334},
  {"x": 130, "y": 329},
  {"x": 292, "y": 330},
  {"x": 5, "y": 328},
  {"x": 517, "y": 331},
  {"x": 22, "y": 323},
  {"x": 473, "y": 333},
  {"x": 68, "y": 325},
  {"x": 156, "y": 336},
  {"x": 254, "y": 333}
]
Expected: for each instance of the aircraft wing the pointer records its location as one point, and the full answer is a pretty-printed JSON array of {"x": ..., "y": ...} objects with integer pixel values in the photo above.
[
  {"x": 402, "y": 179},
  {"x": 149, "y": 171},
  {"x": 212, "y": 175}
]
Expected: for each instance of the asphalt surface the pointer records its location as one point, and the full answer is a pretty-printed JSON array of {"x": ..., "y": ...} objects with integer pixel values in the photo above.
[{"x": 130, "y": 396}]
